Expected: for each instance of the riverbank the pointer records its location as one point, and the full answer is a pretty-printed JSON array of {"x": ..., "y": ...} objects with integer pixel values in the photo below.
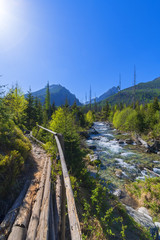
[{"x": 121, "y": 163}]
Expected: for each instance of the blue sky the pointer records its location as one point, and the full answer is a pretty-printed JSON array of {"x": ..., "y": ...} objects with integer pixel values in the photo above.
[{"x": 79, "y": 43}]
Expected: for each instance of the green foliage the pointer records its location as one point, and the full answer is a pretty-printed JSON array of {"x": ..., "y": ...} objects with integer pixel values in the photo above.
[
  {"x": 15, "y": 148},
  {"x": 63, "y": 122},
  {"x": 106, "y": 109},
  {"x": 148, "y": 192},
  {"x": 16, "y": 105},
  {"x": 145, "y": 93},
  {"x": 10, "y": 167},
  {"x": 47, "y": 105},
  {"x": 78, "y": 115},
  {"x": 142, "y": 119},
  {"x": 30, "y": 111},
  {"x": 89, "y": 117},
  {"x": 126, "y": 119},
  {"x": 51, "y": 148}
]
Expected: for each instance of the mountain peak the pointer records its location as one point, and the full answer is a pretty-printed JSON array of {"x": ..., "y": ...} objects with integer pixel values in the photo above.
[{"x": 58, "y": 95}]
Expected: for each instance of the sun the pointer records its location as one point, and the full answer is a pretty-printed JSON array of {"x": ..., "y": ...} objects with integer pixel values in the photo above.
[{"x": 5, "y": 15}]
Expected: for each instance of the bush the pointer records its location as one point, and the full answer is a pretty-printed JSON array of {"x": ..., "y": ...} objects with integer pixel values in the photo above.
[{"x": 10, "y": 167}]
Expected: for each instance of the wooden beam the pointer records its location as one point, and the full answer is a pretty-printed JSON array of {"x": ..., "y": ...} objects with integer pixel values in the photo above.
[
  {"x": 72, "y": 212},
  {"x": 9, "y": 219},
  {"x": 34, "y": 221}
]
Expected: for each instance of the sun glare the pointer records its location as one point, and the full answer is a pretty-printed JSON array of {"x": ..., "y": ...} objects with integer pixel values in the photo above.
[
  {"x": 12, "y": 23},
  {"x": 7, "y": 17}
]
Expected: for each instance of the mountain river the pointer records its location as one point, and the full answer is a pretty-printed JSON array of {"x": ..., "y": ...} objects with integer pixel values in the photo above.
[{"x": 119, "y": 162}]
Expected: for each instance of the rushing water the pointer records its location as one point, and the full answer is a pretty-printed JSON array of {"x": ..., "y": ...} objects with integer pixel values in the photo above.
[{"x": 120, "y": 163}]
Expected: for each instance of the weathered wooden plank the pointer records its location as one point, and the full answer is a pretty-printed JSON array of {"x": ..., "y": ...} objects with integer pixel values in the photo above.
[
  {"x": 36, "y": 139},
  {"x": 43, "y": 228},
  {"x": 19, "y": 228},
  {"x": 33, "y": 224},
  {"x": 72, "y": 212},
  {"x": 48, "y": 130},
  {"x": 63, "y": 211},
  {"x": 57, "y": 206},
  {"x": 52, "y": 235},
  {"x": 63, "y": 196},
  {"x": 9, "y": 219}
]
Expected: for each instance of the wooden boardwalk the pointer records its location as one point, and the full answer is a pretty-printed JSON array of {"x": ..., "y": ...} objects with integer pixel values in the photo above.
[{"x": 44, "y": 219}]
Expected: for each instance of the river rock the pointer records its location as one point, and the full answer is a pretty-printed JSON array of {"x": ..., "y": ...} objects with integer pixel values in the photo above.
[
  {"x": 121, "y": 142},
  {"x": 144, "y": 211},
  {"x": 157, "y": 224},
  {"x": 117, "y": 193},
  {"x": 156, "y": 170},
  {"x": 93, "y": 131},
  {"x": 144, "y": 220},
  {"x": 129, "y": 141},
  {"x": 93, "y": 157},
  {"x": 92, "y": 147},
  {"x": 118, "y": 173},
  {"x": 96, "y": 138}
]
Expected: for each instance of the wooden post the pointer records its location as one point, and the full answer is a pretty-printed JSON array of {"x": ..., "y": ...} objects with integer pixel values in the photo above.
[{"x": 63, "y": 197}]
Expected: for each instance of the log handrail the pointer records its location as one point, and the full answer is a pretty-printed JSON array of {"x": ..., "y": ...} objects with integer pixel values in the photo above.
[{"x": 75, "y": 229}]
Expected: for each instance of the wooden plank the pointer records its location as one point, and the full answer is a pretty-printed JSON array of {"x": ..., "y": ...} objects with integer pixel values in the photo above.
[
  {"x": 19, "y": 228},
  {"x": 33, "y": 224},
  {"x": 51, "y": 223},
  {"x": 63, "y": 196},
  {"x": 36, "y": 139},
  {"x": 48, "y": 130},
  {"x": 63, "y": 212},
  {"x": 57, "y": 206},
  {"x": 43, "y": 228},
  {"x": 9, "y": 219},
  {"x": 72, "y": 212}
]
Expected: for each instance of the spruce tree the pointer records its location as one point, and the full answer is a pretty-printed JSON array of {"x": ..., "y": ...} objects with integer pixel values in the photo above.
[
  {"x": 30, "y": 111},
  {"x": 47, "y": 105}
]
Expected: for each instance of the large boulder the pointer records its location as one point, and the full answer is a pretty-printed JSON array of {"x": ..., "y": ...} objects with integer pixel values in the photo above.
[{"x": 144, "y": 220}]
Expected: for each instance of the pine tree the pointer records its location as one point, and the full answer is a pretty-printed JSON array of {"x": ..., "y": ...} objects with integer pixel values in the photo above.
[
  {"x": 47, "y": 106},
  {"x": 38, "y": 111},
  {"x": 155, "y": 105},
  {"x": 30, "y": 111}
]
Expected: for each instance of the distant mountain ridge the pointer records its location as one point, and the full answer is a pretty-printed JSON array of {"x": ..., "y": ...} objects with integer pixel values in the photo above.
[
  {"x": 145, "y": 92},
  {"x": 58, "y": 95},
  {"x": 105, "y": 95}
]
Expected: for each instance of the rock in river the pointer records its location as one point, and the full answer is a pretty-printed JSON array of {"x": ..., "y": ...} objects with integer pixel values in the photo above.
[
  {"x": 93, "y": 147},
  {"x": 144, "y": 220},
  {"x": 117, "y": 193}
]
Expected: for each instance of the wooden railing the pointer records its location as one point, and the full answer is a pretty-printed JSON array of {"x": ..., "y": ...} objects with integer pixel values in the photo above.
[
  {"x": 40, "y": 219},
  {"x": 66, "y": 194}
]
